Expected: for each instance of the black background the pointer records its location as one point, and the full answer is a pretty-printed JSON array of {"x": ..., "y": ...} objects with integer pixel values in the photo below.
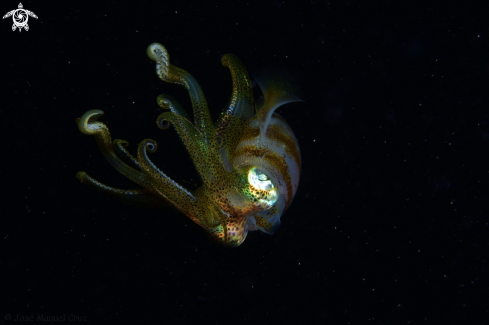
[{"x": 389, "y": 225}]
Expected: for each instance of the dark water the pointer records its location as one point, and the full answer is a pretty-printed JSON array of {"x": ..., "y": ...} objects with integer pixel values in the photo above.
[{"x": 389, "y": 225}]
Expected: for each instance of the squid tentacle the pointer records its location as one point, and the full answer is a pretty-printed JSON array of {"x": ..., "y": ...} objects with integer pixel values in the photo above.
[
  {"x": 172, "y": 74},
  {"x": 240, "y": 110},
  {"x": 242, "y": 101},
  {"x": 140, "y": 197},
  {"x": 179, "y": 196},
  {"x": 249, "y": 160},
  {"x": 193, "y": 141},
  {"x": 120, "y": 148},
  {"x": 88, "y": 124},
  {"x": 170, "y": 103}
]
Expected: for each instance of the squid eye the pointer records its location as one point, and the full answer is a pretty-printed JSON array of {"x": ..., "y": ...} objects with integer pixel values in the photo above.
[
  {"x": 259, "y": 180},
  {"x": 263, "y": 177},
  {"x": 262, "y": 188}
]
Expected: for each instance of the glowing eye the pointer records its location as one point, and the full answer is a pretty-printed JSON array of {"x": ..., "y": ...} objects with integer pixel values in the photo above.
[
  {"x": 259, "y": 180},
  {"x": 262, "y": 188},
  {"x": 262, "y": 177}
]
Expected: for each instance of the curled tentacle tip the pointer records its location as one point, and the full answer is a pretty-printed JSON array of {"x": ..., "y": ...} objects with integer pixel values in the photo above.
[
  {"x": 92, "y": 114},
  {"x": 151, "y": 145},
  {"x": 85, "y": 120},
  {"x": 150, "y": 51},
  {"x": 163, "y": 123},
  {"x": 163, "y": 102}
]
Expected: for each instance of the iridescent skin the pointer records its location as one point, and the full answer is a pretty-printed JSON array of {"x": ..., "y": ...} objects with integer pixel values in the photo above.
[{"x": 249, "y": 162}]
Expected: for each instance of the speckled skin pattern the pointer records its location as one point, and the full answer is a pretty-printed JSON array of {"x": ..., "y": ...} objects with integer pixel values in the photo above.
[{"x": 249, "y": 160}]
